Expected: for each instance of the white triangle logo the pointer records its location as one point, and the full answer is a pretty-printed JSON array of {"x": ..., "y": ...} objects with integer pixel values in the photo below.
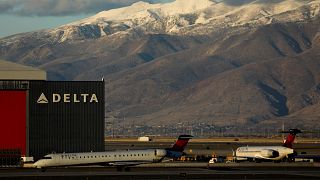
[{"x": 42, "y": 99}]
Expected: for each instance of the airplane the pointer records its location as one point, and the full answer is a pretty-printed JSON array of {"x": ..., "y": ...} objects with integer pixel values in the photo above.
[
  {"x": 271, "y": 153},
  {"x": 120, "y": 159}
]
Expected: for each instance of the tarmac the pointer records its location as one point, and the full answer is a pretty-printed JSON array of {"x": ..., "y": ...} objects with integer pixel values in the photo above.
[
  {"x": 172, "y": 171},
  {"x": 181, "y": 170}
]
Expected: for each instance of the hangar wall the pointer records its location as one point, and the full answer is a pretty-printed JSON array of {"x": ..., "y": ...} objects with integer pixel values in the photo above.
[
  {"x": 66, "y": 117},
  {"x": 13, "y": 120}
]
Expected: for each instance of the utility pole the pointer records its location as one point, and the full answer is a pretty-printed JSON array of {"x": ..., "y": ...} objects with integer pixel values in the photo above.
[{"x": 282, "y": 131}]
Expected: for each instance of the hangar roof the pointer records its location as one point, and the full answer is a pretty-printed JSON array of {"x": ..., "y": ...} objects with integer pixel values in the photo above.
[{"x": 14, "y": 71}]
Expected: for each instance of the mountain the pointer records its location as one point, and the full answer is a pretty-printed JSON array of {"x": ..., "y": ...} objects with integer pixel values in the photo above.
[{"x": 225, "y": 63}]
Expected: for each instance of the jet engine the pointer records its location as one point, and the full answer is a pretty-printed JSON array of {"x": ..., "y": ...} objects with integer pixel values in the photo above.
[
  {"x": 160, "y": 152},
  {"x": 268, "y": 153}
]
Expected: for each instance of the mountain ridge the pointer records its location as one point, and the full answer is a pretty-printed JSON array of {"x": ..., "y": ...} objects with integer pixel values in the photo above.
[
  {"x": 252, "y": 71},
  {"x": 180, "y": 18}
]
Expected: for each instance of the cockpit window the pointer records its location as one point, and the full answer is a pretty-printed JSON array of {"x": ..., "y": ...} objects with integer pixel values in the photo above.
[{"x": 47, "y": 158}]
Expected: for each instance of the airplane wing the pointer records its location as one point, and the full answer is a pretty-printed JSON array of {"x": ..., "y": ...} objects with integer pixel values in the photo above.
[
  {"x": 128, "y": 163},
  {"x": 256, "y": 156}
]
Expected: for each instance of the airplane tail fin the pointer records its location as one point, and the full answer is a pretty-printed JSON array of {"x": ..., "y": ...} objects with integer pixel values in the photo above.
[
  {"x": 290, "y": 138},
  {"x": 181, "y": 143}
]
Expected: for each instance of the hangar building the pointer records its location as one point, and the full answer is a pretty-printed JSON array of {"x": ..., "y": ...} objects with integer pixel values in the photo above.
[{"x": 40, "y": 117}]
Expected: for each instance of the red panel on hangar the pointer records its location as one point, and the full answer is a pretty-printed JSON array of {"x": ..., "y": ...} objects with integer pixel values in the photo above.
[{"x": 13, "y": 120}]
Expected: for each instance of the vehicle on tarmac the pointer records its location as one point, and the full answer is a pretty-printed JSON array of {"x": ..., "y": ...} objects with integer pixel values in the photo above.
[{"x": 214, "y": 160}]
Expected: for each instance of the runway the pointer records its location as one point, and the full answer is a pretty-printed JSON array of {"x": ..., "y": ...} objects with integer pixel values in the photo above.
[
  {"x": 180, "y": 170},
  {"x": 198, "y": 171},
  {"x": 209, "y": 148}
]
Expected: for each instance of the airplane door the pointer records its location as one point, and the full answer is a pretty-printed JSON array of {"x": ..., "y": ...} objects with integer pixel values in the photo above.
[
  {"x": 59, "y": 159},
  {"x": 155, "y": 156}
]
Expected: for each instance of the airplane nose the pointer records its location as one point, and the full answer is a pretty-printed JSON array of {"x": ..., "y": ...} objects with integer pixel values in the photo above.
[
  {"x": 290, "y": 151},
  {"x": 36, "y": 165}
]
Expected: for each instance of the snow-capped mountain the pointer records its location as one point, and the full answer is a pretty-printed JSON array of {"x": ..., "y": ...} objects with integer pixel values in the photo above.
[
  {"x": 188, "y": 17},
  {"x": 226, "y": 62}
]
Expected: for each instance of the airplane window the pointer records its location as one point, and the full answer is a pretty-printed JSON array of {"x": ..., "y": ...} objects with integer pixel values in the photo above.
[
  {"x": 47, "y": 158},
  {"x": 95, "y": 156},
  {"x": 130, "y": 154},
  {"x": 134, "y": 154},
  {"x": 138, "y": 154},
  {"x": 115, "y": 155},
  {"x": 141, "y": 154}
]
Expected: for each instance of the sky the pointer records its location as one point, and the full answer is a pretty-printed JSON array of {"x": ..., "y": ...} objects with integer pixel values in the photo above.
[{"x": 17, "y": 16}]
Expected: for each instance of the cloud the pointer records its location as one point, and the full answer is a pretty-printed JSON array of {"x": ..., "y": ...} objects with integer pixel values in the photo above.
[{"x": 61, "y": 7}]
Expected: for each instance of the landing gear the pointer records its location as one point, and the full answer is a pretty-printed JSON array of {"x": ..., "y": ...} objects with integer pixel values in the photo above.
[
  {"x": 126, "y": 169},
  {"x": 123, "y": 168},
  {"x": 119, "y": 168}
]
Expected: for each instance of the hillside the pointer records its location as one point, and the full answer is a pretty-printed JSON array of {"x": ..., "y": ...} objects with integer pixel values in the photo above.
[{"x": 222, "y": 63}]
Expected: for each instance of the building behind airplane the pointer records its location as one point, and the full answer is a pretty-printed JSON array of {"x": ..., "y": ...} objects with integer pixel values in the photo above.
[
  {"x": 273, "y": 153},
  {"x": 115, "y": 158},
  {"x": 39, "y": 117}
]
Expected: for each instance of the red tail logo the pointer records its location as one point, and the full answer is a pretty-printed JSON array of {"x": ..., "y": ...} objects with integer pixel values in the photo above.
[
  {"x": 290, "y": 139},
  {"x": 181, "y": 143}
]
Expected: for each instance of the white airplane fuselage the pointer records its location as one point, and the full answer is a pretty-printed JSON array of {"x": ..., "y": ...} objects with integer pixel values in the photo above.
[
  {"x": 274, "y": 153},
  {"x": 129, "y": 157}
]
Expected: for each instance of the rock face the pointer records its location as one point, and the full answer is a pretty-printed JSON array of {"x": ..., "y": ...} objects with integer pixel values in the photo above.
[{"x": 225, "y": 63}]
